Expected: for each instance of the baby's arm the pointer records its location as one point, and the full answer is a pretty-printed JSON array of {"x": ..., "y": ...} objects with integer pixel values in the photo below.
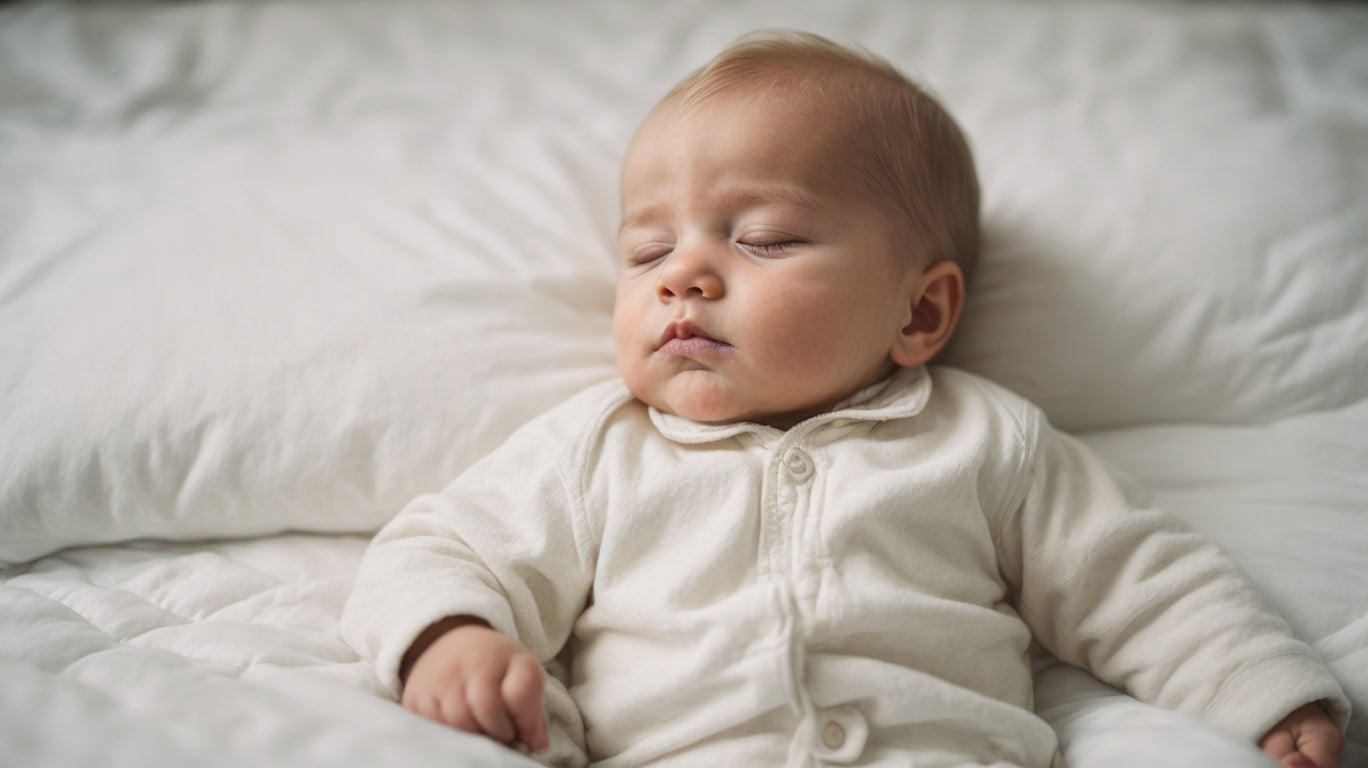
[
  {"x": 464, "y": 674},
  {"x": 1108, "y": 583},
  {"x": 1307, "y": 738}
]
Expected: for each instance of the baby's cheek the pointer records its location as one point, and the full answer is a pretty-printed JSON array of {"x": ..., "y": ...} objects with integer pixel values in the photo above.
[{"x": 635, "y": 376}]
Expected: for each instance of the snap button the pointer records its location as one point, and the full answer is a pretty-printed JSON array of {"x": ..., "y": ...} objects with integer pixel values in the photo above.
[
  {"x": 798, "y": 464},
  {"x": 839, "y": 734},
  {"x": 833, "y": 735}
]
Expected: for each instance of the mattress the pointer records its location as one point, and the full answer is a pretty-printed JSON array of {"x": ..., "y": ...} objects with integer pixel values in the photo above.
[{"x": 268, "y": 270}]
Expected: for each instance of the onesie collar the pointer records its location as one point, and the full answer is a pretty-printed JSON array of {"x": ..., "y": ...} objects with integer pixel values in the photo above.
[{"x": 902, "y": 395}]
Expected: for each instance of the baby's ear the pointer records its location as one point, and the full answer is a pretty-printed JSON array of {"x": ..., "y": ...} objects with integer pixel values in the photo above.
[{"x": 935, "y": 300}]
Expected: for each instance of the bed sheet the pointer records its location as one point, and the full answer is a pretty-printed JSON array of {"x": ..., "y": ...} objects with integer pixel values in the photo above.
[{"x": 270, "y": 269}]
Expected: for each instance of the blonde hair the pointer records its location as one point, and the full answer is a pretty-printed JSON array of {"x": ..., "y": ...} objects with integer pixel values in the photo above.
[{"x": 908, "y": 152}]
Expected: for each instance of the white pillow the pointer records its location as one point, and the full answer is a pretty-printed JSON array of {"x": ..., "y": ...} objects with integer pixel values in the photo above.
[
  {"x": 1174, "y": 213},
  {"x": 291, "y": 286},
  {"x": 212, "y": 338}
]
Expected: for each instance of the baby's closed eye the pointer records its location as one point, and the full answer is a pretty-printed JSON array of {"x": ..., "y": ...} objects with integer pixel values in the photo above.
[{"x": 771, "y": 247}]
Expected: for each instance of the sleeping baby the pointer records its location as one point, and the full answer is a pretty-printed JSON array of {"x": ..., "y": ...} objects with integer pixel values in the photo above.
[{"x": 781, "y": 539}]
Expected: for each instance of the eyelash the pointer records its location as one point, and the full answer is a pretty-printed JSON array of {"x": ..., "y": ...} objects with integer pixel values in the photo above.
[
  {"x": 649, "y": 255},
  {"x": 771, "y": 248}
]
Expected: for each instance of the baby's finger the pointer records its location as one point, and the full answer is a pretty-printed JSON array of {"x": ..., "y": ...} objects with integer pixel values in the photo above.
[
  {"x": 452, "y": 711},
  {"x": 487, "y": 708},
  {"x": 1279, "y": 743},
  {"x": 1320, "y": 752},
  {"x": 522, "y": 690},
  {"x": 426, "y": 705}
]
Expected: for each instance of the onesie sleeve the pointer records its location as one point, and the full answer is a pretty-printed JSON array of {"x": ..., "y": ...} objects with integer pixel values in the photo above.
[
  {"x": 1109, "y": 583},
  {"x": 505, "y": 542}
]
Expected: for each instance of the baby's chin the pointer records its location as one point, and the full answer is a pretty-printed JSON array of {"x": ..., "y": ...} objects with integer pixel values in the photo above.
[
  {"x": 702, "y": 407},
  {"x": 707, "y": 411},
  {"x": 703, "y": 414},
  {"x": 702, "y": 397}
]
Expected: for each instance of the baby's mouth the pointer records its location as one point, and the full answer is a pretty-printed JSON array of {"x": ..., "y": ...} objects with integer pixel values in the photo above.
[{"x": 684, "y": 338}]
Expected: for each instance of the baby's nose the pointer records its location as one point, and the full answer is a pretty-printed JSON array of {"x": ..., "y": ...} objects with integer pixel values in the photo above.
[{"x": 689, "y": 273}]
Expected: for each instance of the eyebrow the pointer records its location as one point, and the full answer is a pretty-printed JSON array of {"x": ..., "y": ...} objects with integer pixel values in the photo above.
[{"x": 737, "y": 197}]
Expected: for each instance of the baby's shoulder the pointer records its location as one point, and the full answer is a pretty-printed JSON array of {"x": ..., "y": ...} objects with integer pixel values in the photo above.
[
  {"x": 576, "y": 432},
  {"x": 971, "y": 401},
  {"x": 584, "y": 415}
]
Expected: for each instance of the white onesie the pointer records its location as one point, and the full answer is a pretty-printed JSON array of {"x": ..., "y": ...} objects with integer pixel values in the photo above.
[{"x": 861, "y": 589}]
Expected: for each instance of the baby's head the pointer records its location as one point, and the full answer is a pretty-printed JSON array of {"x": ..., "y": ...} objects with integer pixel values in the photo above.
[{"x": 796, "y": 221}]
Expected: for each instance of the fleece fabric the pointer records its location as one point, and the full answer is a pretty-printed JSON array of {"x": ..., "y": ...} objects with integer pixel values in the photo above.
[{"x": 861, "y": 589}]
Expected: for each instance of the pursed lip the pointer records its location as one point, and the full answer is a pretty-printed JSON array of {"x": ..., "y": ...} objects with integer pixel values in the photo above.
[{"x": 684, "y": 337}]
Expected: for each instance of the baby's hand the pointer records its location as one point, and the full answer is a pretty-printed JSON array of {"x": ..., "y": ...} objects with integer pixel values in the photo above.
[
  {"x": 477, "y": 679},
  {"x": 1307, "y": 738}
]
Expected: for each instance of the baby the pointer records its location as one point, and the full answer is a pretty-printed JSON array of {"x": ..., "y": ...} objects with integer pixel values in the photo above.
[{"x": 781, "y": 539}]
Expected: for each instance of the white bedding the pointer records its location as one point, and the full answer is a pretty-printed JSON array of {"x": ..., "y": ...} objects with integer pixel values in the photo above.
[{"x": 269, "y": 269}]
